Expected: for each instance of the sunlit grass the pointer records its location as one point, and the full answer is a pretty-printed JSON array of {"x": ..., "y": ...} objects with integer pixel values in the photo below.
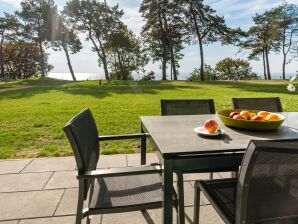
[{"x": 31, "y": 120}]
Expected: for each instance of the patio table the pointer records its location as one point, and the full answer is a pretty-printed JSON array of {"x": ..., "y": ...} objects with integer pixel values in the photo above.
[{"x": 180, "y": 149}]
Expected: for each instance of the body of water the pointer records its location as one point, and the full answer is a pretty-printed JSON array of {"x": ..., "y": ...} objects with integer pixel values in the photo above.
[
  {"x": 97, "y": 76},
  {"x": 79, "y": 76}
]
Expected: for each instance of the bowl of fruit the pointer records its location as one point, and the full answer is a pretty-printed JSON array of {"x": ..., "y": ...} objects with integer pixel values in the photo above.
[{"x": 251, "y": 119}]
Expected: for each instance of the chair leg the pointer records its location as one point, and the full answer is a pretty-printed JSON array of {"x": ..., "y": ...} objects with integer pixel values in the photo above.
[
  {"x": 234, "y": 174},
  {"x": 196, "y": 214},
  {"x": 211, "y": 176},
  {"x": 80, "y": 202},
  {"x": 88, "y": 220},
  {"x": 180, "y": 198}
]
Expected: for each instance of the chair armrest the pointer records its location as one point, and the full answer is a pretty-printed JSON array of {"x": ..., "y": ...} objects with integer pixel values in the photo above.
[
  {"x": 122, "y": 137},
  {"x": 127, "y": 171}
]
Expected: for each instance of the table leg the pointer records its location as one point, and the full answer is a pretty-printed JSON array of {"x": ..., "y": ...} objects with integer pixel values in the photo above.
[
  {"x": 168, "y": 192},
  {"x": 143, "y": 148}
]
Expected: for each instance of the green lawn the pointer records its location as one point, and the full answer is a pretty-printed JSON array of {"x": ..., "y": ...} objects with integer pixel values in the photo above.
[{"x": 31, "y": 120}]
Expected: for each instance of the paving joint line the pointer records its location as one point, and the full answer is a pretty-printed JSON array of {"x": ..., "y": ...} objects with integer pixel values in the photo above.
[
  {"x": 48, "y": 180},
  {"x": 59, "y": 202},
  {"x": 11, "y": 192},
  {"x": 26, "y": 166}
]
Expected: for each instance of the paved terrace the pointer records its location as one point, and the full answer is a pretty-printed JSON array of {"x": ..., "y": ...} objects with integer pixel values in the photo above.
[{"x": 44, "y": 191}]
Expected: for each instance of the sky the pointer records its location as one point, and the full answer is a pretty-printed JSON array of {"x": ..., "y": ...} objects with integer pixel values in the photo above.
[{"x": 238, "y": 13}]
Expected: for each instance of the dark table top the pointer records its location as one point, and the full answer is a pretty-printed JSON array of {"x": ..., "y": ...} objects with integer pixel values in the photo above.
[{"x": 174, "y": 135}]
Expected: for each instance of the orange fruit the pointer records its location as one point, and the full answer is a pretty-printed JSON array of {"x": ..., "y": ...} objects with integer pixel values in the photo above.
[
  {"x": 263, "y": 114},
  {"x": 273, "y": 117},
  {"x": 245, "y": 114}
]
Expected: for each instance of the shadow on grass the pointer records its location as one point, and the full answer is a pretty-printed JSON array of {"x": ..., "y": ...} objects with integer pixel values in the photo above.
[
  {"x": 256, "y": 86},
  {"x": 91, "y": 88}
]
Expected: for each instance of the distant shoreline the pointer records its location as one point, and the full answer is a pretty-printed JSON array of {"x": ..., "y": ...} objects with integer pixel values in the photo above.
[{"x": 98, "y": 76}]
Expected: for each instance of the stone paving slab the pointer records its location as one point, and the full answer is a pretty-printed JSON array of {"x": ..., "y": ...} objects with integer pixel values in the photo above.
[
  {"x": 52, "y": 220},
  {"x": 108, "y": 161},
  {"x": 24, "y": 182},
  {"x": 51, "y": 164},
  {"x": 45, "y": 192},
  {"x": 189, "y": 195},
  {"x": 63, "y": 179},
  {"x": 10, "y": 222},
  {"x": 22, "y": 205},
  {"x": 13, "y": 166},
  {"x": 207, "y": 216},
  {"x": 135, "y": 159},
  {"x": 68, "y": 203},
  {"x": 59, "y": 220}
]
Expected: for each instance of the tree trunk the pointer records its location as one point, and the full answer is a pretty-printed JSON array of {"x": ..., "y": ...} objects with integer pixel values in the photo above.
[
  {"x": 164, "y": 65},
  {"x": 1, "y": 60},
  {"x": 284, "y": 54},
  {"x": 164, "y": 45},
  {"x": 105, "y": 67},
  {"x": 42, "y": 62},
  {"x": 123, "y": 75},
  {"x": 104, "y": 61},
  {"x": 69, "y": 62},
  {"x": 171, "y": 71},
  {"x": 264, "y": 65},
  {"x": 267, "y": 62},
  {"x": 284, "y": 67},
  {"x": 173, "y": 62},
  {"x": 202, "y": 74}
]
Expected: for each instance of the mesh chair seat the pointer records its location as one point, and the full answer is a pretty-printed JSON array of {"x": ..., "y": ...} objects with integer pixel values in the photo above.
[
  {"x": 223, "y": 195},
  {"x": 127, "y": 191}
]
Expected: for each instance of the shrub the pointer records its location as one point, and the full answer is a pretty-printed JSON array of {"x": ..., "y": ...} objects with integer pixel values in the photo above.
[
  {"x": 150, "y": 76},
  {"x": 195, "y": 74},
  {"x": 234, "y": 69}
]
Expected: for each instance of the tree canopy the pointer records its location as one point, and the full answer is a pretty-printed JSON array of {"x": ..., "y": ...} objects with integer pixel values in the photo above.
[
  {"x": 125, "y": 54},
  {"x": 37, "y": 16},
  {"x": 206, "y": 27},
  {"x": 98, "y": 20}
]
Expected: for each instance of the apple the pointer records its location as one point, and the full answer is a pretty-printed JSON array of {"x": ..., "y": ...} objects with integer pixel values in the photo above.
[
  {"x": 232, "y": 114},
  {"x": 252, "y": 115},
  {"x": 257, "y": 118},
  {"x": 211, "y": 126},
  {"x": 239, "y": 117}
]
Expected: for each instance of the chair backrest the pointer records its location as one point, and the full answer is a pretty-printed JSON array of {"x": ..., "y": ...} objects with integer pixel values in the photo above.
[
  {"x": 268, "y": 183},
  {"x": 267, "y": 104},
  {"x": 187, "y": 107},
  {"x": 82, "y": 135}
]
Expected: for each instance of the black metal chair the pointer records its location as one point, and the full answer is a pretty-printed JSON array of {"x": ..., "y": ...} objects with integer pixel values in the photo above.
[
  {"x": 267, "y": 104},
  {"x": 187, "y": 107},
  {"x": 266, "y": 191},
  {"x": 110, "y": 190}
]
